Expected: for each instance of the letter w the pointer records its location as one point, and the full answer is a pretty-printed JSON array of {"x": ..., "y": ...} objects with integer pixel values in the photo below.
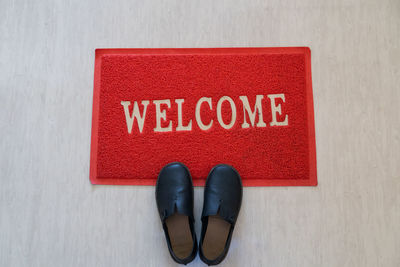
[{"x": 135, "y": 114}]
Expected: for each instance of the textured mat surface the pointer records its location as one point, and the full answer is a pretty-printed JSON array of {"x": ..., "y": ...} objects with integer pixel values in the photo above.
[{"x": 251, "y": 108}]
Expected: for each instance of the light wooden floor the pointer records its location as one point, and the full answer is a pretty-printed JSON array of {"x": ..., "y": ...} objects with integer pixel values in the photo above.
[{"x": 50, "y": 214}]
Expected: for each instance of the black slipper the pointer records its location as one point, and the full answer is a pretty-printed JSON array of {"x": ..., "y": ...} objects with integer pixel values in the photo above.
[
  {"x": 222, "y": 200},
  {"x": 174, "y": 197}
]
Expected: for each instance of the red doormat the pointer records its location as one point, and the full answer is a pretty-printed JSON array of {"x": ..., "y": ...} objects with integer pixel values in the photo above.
[{"x": 251, "y": 108}]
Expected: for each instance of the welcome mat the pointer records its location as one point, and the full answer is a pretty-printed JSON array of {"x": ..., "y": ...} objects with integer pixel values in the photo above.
[{"x": 251, "y": 108}]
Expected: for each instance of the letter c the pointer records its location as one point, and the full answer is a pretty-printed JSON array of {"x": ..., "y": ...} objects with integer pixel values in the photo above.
[{"x": 198, "y": 116}]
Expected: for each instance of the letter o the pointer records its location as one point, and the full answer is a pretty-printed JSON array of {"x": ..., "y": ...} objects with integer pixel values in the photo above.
[{"x": 219, "y": 112}]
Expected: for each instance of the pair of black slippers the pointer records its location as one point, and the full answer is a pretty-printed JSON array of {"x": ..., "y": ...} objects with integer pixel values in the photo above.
[{"x": 222, "y": 200}]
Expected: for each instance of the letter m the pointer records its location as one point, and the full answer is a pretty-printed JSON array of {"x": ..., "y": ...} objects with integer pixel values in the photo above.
[{"x": 252, "y": 114}]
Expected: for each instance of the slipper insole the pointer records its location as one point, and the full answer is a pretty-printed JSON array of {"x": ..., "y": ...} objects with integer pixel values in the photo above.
[
  {"x": 215, "y": 237},
  {"x": 180, "y": 235}
]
